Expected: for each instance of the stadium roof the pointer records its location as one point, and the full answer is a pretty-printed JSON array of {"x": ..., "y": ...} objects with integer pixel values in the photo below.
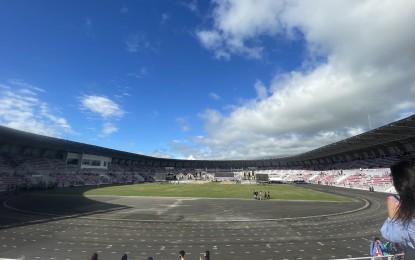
[
  {"x": 16, "y": 137},
  {"x": 396, "y": 138}
]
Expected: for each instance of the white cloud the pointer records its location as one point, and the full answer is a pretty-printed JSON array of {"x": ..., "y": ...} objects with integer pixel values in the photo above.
[
  {"x": 24, "y": 85},
  {"x": 183, "y": 123},
  {"x": 137, "y": 42},
  {"x": 60, "y": 122},
  {"x": 237, "y": 26},
  {"x": 192, "y": 6},
  {"x": 213, "y": 41},
  {"x": 210, "y": 39},
  {"x": 261, "y": 90},
  {"x": 367, "y": 69},
  {"x": 107, "y": 110},
  {"x": 21, "y": 108},
  {"x": 108, "y": 128},
  {"x": 188, "y": 150},
  {"x": 139, "y": 73},
  {"x": 102, "y": 106},
  {"x": 214, "y": 96}
]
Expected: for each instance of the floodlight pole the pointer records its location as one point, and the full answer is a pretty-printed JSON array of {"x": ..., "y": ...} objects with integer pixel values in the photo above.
[{"x": 368, "y": 119}]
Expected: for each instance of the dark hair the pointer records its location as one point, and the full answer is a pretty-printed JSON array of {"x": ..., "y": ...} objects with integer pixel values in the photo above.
[
  {"x": 94, "y": 256},
  {"x": 182, "y": 253},
  {"x": 403, "y": 177},
  {"x": 124, "y": 257},
  {"x": 149, "y": 258}
]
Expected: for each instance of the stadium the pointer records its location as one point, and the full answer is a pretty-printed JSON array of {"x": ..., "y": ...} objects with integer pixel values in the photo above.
[{"x": 50, "y": 208}]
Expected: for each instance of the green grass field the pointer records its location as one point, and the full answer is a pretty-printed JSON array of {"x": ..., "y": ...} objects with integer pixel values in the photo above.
[{"x": 208, "y": 190}]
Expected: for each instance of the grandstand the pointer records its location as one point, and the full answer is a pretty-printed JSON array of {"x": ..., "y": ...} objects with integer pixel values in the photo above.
[{"x": 363, "y": 161}]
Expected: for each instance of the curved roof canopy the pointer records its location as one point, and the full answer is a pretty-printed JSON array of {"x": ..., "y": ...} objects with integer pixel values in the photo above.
[{"x": 396, "y": 138}]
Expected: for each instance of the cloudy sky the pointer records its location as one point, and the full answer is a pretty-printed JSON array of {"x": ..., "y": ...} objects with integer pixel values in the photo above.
[{"x": 220, "y": 79}]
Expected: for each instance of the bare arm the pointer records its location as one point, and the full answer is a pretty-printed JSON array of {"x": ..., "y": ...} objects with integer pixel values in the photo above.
[{"x": 393, "y": 206}]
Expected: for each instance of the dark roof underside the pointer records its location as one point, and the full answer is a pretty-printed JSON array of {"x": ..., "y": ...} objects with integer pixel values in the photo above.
[{"x": 396, "y": 138}]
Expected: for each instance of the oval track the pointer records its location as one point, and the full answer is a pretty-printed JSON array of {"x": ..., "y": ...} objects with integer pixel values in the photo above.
[{"x": 160, "y": 227}]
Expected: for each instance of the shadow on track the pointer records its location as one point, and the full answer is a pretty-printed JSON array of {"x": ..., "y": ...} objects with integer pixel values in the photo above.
[{"x": 30, "y": 207}]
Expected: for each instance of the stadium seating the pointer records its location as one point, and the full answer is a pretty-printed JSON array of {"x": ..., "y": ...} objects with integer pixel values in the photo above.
[{"x": 358, "y": 174}]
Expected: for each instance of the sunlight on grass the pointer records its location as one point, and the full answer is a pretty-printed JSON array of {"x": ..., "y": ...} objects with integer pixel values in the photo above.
[{"x": 216, "y": 190}]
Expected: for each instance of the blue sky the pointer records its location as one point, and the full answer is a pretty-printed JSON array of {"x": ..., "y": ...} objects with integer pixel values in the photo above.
[{"x": 230, "y": 79}]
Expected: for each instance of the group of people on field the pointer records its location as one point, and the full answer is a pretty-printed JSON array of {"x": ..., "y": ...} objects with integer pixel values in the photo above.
[{"x": 259, "y": 196}]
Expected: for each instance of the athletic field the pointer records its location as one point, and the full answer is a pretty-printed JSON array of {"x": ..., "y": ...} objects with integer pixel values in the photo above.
[{"x": 208, "y": 190}]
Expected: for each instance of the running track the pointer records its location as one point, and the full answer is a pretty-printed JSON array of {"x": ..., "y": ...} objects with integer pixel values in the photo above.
[{"x": 72, "y": 227}]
